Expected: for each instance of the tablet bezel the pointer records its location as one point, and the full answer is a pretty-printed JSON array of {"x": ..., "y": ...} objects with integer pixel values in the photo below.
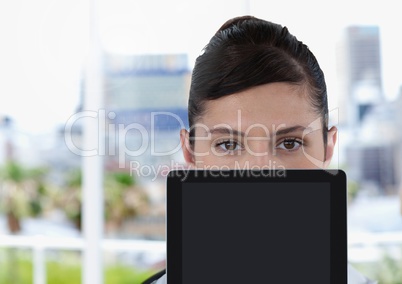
[{"x": 338, "y": 210}]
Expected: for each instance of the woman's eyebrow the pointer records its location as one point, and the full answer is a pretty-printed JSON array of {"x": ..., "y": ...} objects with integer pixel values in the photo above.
[
  {"x": 287, "y": 130},
  {"x": 281, "y": 131},
  {"x": 224, "y": 130}
]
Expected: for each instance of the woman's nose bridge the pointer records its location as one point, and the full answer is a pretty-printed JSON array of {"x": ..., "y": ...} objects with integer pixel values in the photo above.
[
  {"x": 262, "y": 160},
  {"x": 261, "y": 155},
  {"x": 258, "y": 146}
]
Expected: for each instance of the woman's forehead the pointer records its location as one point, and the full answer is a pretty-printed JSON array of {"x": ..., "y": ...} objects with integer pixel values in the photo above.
[{"x": 269, "y": 104}]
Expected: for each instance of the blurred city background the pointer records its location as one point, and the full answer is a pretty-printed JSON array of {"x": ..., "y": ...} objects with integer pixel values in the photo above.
[{"x": 143, "y": 53}]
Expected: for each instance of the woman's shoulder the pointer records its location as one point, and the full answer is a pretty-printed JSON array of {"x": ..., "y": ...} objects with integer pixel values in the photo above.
[
  {"x": 161, "y": 280},
  {"x": 354, "y": 277},
  {"x": 158, "y": 278}
]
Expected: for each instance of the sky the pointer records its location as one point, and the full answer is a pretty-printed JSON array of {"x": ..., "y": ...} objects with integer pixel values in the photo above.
[{"x": 45, "y": 43}]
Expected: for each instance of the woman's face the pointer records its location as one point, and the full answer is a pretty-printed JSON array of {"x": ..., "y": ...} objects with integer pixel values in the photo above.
[{"x": 268, "y": 126}]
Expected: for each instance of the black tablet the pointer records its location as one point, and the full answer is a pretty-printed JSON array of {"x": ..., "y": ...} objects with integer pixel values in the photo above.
[{"x": 256, "y": 227}]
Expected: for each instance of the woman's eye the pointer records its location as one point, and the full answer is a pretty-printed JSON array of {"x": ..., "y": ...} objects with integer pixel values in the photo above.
[
  {"x": 229, "y": 146},
  {"x": 290, "y": 144}
]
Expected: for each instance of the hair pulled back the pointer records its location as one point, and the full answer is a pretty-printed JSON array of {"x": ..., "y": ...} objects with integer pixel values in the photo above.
[{"x": 247, "y": 52}]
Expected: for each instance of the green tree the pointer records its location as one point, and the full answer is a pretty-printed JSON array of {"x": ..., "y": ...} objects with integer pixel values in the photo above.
[
  {"x": 22, "y": 193},
  {"x": 123, "y": 199}
]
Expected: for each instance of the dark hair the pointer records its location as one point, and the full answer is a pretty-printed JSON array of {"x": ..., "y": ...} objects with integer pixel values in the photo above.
[{"x": 246, "y": 52}]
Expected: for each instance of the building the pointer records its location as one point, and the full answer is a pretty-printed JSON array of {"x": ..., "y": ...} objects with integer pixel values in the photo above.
[
  {"x": 146, "y": 81},
  {"x": 146, "y": 103},
  {"x": 359, "y": 73},
  {"x": 373, "y": 154},
  {"x": 372, "y": 147}
]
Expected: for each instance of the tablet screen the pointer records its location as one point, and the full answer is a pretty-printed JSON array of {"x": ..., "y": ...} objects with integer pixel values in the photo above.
[
  {"x": 278, "y": 225},
  {"x": 258, "y": 231}
]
